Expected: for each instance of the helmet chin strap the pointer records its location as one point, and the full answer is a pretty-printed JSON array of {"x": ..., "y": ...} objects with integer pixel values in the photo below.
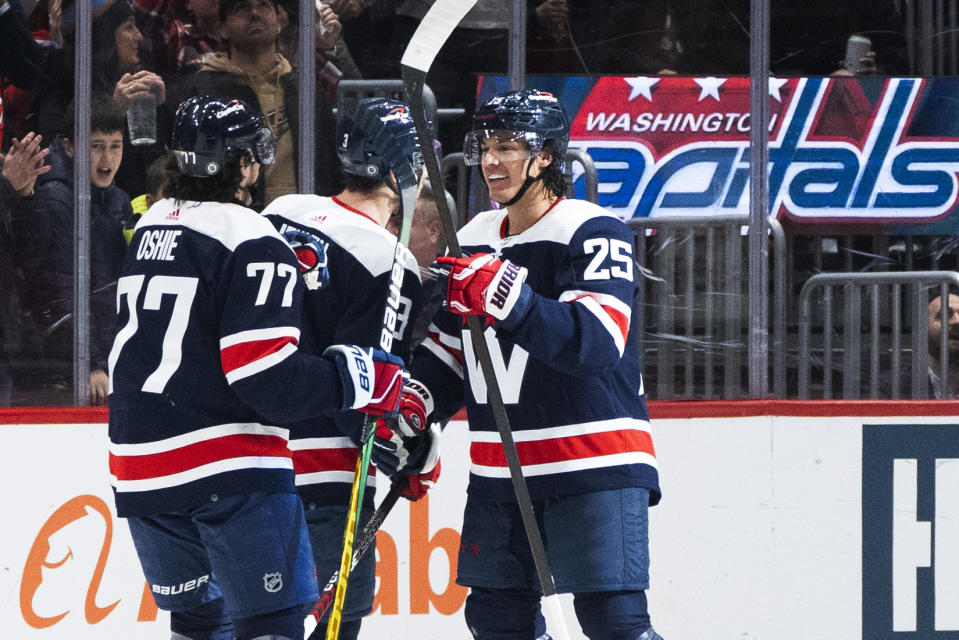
[{"x": 524, "y": 188}]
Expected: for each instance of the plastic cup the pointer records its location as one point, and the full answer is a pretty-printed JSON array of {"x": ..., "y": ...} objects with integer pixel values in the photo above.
[
  {"x": 142, "y": 120},
  {"x": 857, "y": 47}
]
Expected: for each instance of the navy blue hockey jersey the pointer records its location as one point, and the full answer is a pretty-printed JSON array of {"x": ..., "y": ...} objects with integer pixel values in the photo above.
[
  {"x": 569, "y": 372},
  {"x": 205, "y": 363},
  {"x": 347, "y": 259}
]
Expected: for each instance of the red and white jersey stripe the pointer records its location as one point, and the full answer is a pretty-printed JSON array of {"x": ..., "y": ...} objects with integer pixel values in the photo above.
[
  {"x": 322, "y": 460},
  {"x": 447, "y": 348},
  {"x": 249, "y": 352},
  {"x": 574, "y": 447},
  {"x": 168, "y": 463},
  {"x": 568, "y": 369},
  {"x": 609, "y": 310}
]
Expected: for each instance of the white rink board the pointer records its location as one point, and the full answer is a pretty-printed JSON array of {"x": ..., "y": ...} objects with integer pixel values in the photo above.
[{"x": 759, "y": 536}]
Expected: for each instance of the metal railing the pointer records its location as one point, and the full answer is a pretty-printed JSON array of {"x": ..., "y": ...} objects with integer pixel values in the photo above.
[
  {"x": 349, "y": 91},
  {"x": 884, "y": 325},
  {"x": 693, "y": 314},
  {"x": 932, "y": 36}
]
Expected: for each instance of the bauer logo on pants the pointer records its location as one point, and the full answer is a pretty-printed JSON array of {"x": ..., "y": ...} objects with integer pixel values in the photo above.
[{"x": 910, "y": 532}]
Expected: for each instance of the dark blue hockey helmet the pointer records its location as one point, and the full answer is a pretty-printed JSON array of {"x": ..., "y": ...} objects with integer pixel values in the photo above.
[
  {"x": 534, "y": 116},
  {"x": 211, "y": 132},
  {"x": 379, "y": 136}
]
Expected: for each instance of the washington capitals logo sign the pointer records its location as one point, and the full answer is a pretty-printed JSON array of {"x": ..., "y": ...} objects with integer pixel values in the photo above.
[{"x": 840, "y": 149}]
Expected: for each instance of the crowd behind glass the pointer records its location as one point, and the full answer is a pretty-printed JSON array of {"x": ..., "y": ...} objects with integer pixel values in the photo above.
[{"x": 159, "y": 52}]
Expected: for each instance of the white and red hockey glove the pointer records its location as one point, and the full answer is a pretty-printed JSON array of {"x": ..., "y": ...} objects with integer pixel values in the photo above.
[
  {"x": 375, "y": 377},
  {"x": 409, "y": 455},
  {"x": 400, "y": 439},
  {"x": 419, "y": 485},
  {"x": 416, "y": 405},
  {"x": 483, "y": 285}
]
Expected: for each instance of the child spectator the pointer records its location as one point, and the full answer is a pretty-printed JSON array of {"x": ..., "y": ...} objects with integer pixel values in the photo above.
[
  {"x": 158, "y": 175},
  {"x": 109, "y": 207}
]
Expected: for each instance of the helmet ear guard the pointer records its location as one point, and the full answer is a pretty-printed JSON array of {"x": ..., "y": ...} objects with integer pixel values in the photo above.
[
  {"x": 211, "y": 132},
  {"x": 377, "y": 138}
]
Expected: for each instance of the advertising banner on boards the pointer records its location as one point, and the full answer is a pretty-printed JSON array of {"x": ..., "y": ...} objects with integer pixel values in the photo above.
[{"x": 797, "y": 526}]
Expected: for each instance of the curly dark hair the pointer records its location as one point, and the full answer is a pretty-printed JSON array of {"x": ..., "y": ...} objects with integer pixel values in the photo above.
[
  {"x": 217, "y": 188},
  {"x": 552, "y": 176},
  {"x": 361, "y": 184}
]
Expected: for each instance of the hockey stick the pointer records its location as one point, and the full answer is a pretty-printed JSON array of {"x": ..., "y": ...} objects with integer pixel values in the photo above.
[
  {"x": 435, "y": 28},
  {"x": 409, "y": 190},
  {"x": 362, "y": 543}
]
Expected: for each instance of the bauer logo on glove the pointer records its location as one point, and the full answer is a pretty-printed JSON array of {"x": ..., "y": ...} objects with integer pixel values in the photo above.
[{"x": 374, "y": 378}]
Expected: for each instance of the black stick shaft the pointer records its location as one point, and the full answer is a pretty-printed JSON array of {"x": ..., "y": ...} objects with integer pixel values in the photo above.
[{"x": 413, "y": 82}]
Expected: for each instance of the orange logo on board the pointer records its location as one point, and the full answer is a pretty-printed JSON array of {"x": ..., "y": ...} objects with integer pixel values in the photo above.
[{"x": 38, "y": 560}]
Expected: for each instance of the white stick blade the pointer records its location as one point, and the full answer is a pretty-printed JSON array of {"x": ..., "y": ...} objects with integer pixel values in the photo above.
[
  {"x": 555, "y": 621},
  {"x": 434, "y": 29}
]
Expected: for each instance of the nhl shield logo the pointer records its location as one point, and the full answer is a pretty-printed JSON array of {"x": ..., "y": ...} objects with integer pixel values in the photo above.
[{"x": 273, "y": 582}]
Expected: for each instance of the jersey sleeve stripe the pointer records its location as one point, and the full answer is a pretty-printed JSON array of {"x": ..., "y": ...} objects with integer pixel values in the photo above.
[
  {"x": 141, "y": 467},
  {"x": 445, "y": 340},
  {"x": 606, "y": 300},
  {"x": 258, "y": 358},
  {"x": 200, "y": 435},
  {"x": 198, "y": 473},
  {"x": 452, "y": 359},
  {"x": 257, "y": 335},
  {"x": 609, "y": 310}
]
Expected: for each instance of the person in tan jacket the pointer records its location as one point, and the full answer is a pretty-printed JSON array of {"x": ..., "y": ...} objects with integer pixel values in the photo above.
[{"x": 251, "y": 69}]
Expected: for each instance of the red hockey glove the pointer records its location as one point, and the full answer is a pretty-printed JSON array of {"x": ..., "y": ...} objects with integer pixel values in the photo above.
[
  {"x": 482, "y": 284},
  {"x": 419, "y": 485},
  {"x": 394, "y": 453},
  {"x": 416, "y": 404},
  {"x": 375, "y": 377}
]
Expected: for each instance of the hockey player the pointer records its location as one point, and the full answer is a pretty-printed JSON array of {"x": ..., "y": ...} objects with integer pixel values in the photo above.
[
  {"x": 554, "y": 279},
  {"x": 204, "y": 366},
  {"x": 346, "y": 257}
]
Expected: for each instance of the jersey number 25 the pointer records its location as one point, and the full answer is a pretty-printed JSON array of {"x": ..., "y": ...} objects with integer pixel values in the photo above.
[{"x": 613, "y": 258}]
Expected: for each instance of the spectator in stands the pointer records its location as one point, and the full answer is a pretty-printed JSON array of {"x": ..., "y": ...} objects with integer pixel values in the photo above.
[
  {"x": 931, "y": 381},
  {"x": 252, "y": 70},
  {"x": 425, "y": 234},
  {"x": 367, "y": 25},
  {"x": 712, "y": 36},
  {"x": 938, "y": 387},
  {"x": 328, "y": 36},
  {"x": 479, "y": 44},
  {"x": 109, "y": 207},
  {"x": 158, "y": 175},
  {"x": 180, "y": 33},
  {"x": 17, "y": 101},
  {"x": 20, "y": 167},
  {"x": 116, "y": 74}
]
